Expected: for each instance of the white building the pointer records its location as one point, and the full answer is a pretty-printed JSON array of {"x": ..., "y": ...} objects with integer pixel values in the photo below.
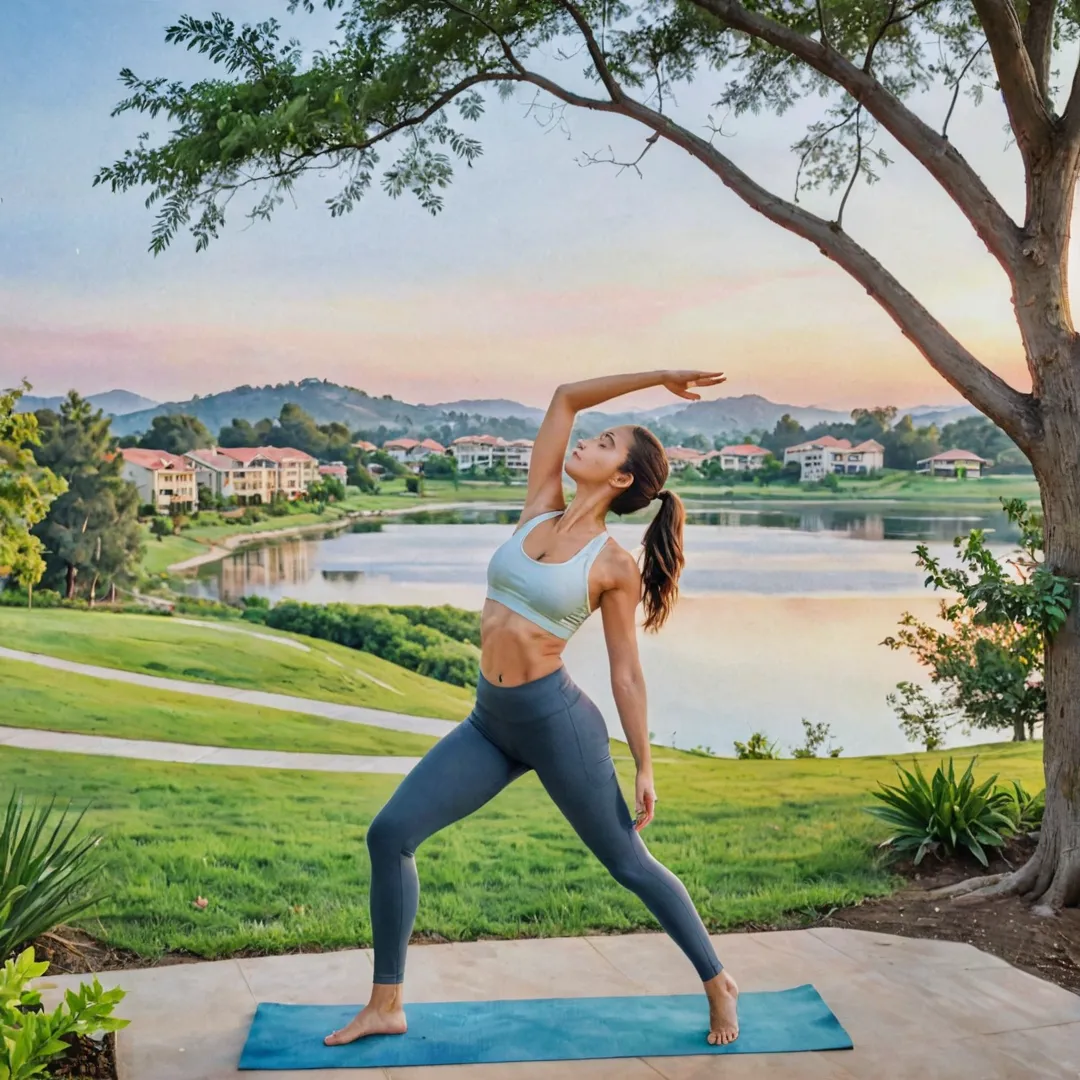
[
  {"x": 742, "y": 458},
  {"x": 487, "y": 451},
  {"x": 953, "y": 463},
  {"x": 820, "y": 457},
  {"x": 411, "y": 451},
  {"x": 163, "y": 480},
  {"x": 253, "y": 474}
]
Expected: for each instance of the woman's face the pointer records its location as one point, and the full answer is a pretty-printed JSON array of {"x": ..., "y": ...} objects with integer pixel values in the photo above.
[{"x": 601, "y": 458}]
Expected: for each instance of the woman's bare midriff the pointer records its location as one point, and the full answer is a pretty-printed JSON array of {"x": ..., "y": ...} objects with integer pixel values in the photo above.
[{"x": 513, "y": 650}]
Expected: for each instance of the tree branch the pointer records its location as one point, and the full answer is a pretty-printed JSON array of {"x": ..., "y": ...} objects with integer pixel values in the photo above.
[
  {"x": 1031, "y": 121},
  {"x": 1009, "y": 408},
  {"x": 939, "y": 157},
  {"x": 599, "y": 62},
  {"x": 1039, "y": 41}
]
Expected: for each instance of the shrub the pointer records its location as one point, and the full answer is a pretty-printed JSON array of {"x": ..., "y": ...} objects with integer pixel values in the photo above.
[
  {"x": 1024, "y": 810},
  {"x": 43, "y": 875},
  {"x": 382, "y": 632},
  {"x": 817, "y": 735},
  {"x": 757, "y": 748},
  {"x": 30, "y": 1037},
  {"x": 944, "y": 813}
]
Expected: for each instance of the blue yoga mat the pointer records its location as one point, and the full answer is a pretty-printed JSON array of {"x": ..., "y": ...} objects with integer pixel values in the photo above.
[{"x": 548, "y": 1029}]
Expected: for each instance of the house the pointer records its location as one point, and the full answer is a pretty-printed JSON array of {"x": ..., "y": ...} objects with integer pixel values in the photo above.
[
  {"x": 742, "y": 458},
  {"x": 953, "y": 463},
  {"x": 488, "y": 451},
  {"x": 253, "y": 474},
  {"x": 365, "y": 447},
  {"x": 412, "y": 451},
  {"x": 827, "y": 454},
  {"x": 163, "y": 480},
  {"x": 679, "y": 457},
  {"x": 336, "y": 469}
]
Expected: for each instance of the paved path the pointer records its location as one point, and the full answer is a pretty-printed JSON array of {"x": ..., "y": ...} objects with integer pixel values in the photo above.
[
  {"x": 352, "y": 714},
  {"x": 66, "y": 742},
  {"x": 913, "y": 1008}
]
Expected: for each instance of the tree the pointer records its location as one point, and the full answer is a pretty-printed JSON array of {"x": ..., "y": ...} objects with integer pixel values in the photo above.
[
  {"x": 989, "y": 664},
  {"x": 91, "y": 532},
  {"x": 397, "y": 68},
  {"x": 26, "y": 489},
  {"x": 176, "y": 433}
]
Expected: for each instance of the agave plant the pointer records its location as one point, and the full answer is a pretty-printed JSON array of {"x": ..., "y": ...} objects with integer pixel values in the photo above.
[
  {"x": 44, "y": 874},
  {"x": 944, "y": 812},
  {"x": 1024, "y": 809}
]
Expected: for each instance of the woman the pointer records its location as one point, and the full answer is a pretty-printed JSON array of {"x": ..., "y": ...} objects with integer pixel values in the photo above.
[{"x": 558, "y": 567}]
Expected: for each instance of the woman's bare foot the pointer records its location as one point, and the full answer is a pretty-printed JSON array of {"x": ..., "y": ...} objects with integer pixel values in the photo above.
[
  {"x": 723, "y": 1013},
  {"x": 383, "y": 1015}
]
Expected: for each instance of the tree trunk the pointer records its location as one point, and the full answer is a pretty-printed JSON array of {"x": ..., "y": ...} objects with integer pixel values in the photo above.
[
  {"x": 1052, "y": 876},
  {"x": 1019, "y": 731},
  {"x": 71, "y": 574}
]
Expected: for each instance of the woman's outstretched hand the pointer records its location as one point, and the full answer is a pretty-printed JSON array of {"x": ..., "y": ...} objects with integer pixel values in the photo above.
[
  {"x": 644, "y": 799},
  {"x": 679, "y": 382}
]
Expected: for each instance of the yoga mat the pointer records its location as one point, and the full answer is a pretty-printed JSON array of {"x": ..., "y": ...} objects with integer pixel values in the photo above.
[{"x": 547, "y": 1029}]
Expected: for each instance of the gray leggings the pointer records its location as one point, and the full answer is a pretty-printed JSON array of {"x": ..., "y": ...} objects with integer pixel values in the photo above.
[{"x": 548, "y": 725}]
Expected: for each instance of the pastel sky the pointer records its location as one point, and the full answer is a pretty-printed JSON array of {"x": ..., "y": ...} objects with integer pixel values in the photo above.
[{"x": 537, "y": 271}]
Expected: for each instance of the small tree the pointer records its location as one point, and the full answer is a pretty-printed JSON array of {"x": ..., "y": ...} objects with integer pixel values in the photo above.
[
  {"x": 816, "y": 737},
  {"x": 757, "y": 748},
  {"x": 988, "y": 665}
]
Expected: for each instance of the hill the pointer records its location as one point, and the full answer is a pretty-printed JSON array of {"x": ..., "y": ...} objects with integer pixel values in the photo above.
[
  {"x": 111, "y": 402},
  {"x": 748, "y": 412}
]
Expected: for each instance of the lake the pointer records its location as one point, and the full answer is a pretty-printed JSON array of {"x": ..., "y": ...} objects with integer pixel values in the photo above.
[{"x": 781, "y": 615}]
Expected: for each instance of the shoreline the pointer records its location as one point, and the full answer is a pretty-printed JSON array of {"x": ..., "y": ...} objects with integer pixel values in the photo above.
[{"x": 222, "y": 549}]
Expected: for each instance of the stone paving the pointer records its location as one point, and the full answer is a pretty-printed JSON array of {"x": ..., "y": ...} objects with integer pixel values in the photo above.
[{"x": 915, "y": 1009}]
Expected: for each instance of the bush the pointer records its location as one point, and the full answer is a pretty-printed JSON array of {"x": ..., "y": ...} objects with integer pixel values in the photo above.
[
  {"x": 414, "y": 485},
  {"x": 1024, "y": 810},
  {"x": 944, "y": 813},
  {"x": 30, "y": 1037},
  {"x": 384, "y": 633},
  {"x": 43, "y": 875},
  {"x": 817, "y": 735},
  {"x": 757, "y": 748}
]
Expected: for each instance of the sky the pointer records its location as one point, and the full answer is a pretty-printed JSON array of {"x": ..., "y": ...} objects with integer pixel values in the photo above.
[{"x": 538, "y": 270}]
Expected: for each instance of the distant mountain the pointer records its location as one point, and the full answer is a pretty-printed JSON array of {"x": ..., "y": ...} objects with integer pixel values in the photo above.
[
  {"x": 112, "y": 402},
  {"x": 748, "y": 412},
  {"x": 924, "y": 415},
  {"x": 498, "y": 408},
  {"x": 325, "y": 401}
]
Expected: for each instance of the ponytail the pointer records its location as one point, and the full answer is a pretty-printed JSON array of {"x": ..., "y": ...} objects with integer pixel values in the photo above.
[{"x": 663, "y": 560}]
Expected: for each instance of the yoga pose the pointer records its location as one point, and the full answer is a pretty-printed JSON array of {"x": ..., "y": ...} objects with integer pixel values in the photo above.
[{"x": 559, "y": 566}]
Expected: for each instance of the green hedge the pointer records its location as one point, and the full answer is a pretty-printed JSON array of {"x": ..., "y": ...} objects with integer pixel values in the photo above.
[{"x": 385, "y": 632}]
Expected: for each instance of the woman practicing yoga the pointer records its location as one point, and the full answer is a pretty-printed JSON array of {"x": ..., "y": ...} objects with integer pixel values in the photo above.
[{"x": 543, "y": 583}]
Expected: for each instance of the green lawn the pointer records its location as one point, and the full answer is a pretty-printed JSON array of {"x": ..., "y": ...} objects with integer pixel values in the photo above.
[
  {"x": 58, "y": 701},
  {"x": 229, "y": 654},
  {"x": 281, "y": 857},
  {"x": 892, "y": 486}
]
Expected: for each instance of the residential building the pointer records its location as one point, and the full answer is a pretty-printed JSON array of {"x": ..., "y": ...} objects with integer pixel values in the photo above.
[
  {"x": 827, "y": 454},
  {"x": 953, "y": 463},
  {"x": 679, "y": 457},
  {"x": 742, "y": 458},
  {"x": 164, "y": 480},
  {"x": 411, "y": 451},
  {"x": 336, "y": 469},
  {"x": 488, "y": 451},
  {"x": 254, "y": 474},
  {"x": 366, "y": 447}
]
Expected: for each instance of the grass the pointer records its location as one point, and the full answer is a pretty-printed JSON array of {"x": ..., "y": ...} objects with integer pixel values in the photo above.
[
  {"x": 229, "y": 654},
  {"x": 59, "y": 701},
  {"x": 892, "y": 486},
  {"x": 281, "y": 858}
]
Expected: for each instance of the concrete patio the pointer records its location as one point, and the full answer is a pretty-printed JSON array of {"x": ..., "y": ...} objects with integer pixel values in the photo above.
[{"x": 924, "y": 1010}]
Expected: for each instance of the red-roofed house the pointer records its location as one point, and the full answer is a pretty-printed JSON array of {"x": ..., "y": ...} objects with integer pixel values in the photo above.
[
  {"x": 827, "y": 454},
  {"x": 679, "y": 457},
  {"x": 252, "y": 474},
  {"x": 487, "y": 451},
  {"x": 366, "y": 447},
  {"x": 412, "y": 452},
  {"x": 953, "y": 463},
  {"x": 336, "y": 469},
  {"x": 742, "y": 458},
  {"x": 164, "y": 480}
]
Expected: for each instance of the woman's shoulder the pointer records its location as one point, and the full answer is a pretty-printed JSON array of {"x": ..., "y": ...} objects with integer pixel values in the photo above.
[{"x": 618, "y": 566}]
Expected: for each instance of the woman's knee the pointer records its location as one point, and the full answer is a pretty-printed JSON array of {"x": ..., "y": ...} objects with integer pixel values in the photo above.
[{"x": 387, "y": 835}]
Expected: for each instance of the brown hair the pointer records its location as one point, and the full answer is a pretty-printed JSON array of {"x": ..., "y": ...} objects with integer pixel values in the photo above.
[{"x": 663, "y": 559}]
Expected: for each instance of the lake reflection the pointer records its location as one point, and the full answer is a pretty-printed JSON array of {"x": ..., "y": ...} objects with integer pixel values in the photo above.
[{"x": 782, "y": 615}]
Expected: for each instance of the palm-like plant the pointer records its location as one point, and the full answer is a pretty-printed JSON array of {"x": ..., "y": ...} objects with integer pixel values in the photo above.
[
  {"x": 44, "y": 874},
  {"x": 944, "y": 812}
]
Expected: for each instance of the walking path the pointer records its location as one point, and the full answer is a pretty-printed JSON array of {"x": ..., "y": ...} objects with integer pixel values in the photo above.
[
  {"x": 66, "y": 742},
  {"x": 913, "y": 1008},
  {"x": 352, "y": 714}
]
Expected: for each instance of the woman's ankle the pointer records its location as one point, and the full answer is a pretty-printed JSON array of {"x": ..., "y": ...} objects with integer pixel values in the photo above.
[{"x": 386, "y": 997}]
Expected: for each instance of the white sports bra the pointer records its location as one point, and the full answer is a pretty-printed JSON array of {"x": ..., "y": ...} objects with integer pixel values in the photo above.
[{"x": 553, "y": 596}]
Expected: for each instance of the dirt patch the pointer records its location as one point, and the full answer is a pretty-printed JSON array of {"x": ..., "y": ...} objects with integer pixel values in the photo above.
[
  {"x": 88, "y": 1059},
  {"x": 74, "y": 952},
  {"x": 1047, "y": 947}
]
